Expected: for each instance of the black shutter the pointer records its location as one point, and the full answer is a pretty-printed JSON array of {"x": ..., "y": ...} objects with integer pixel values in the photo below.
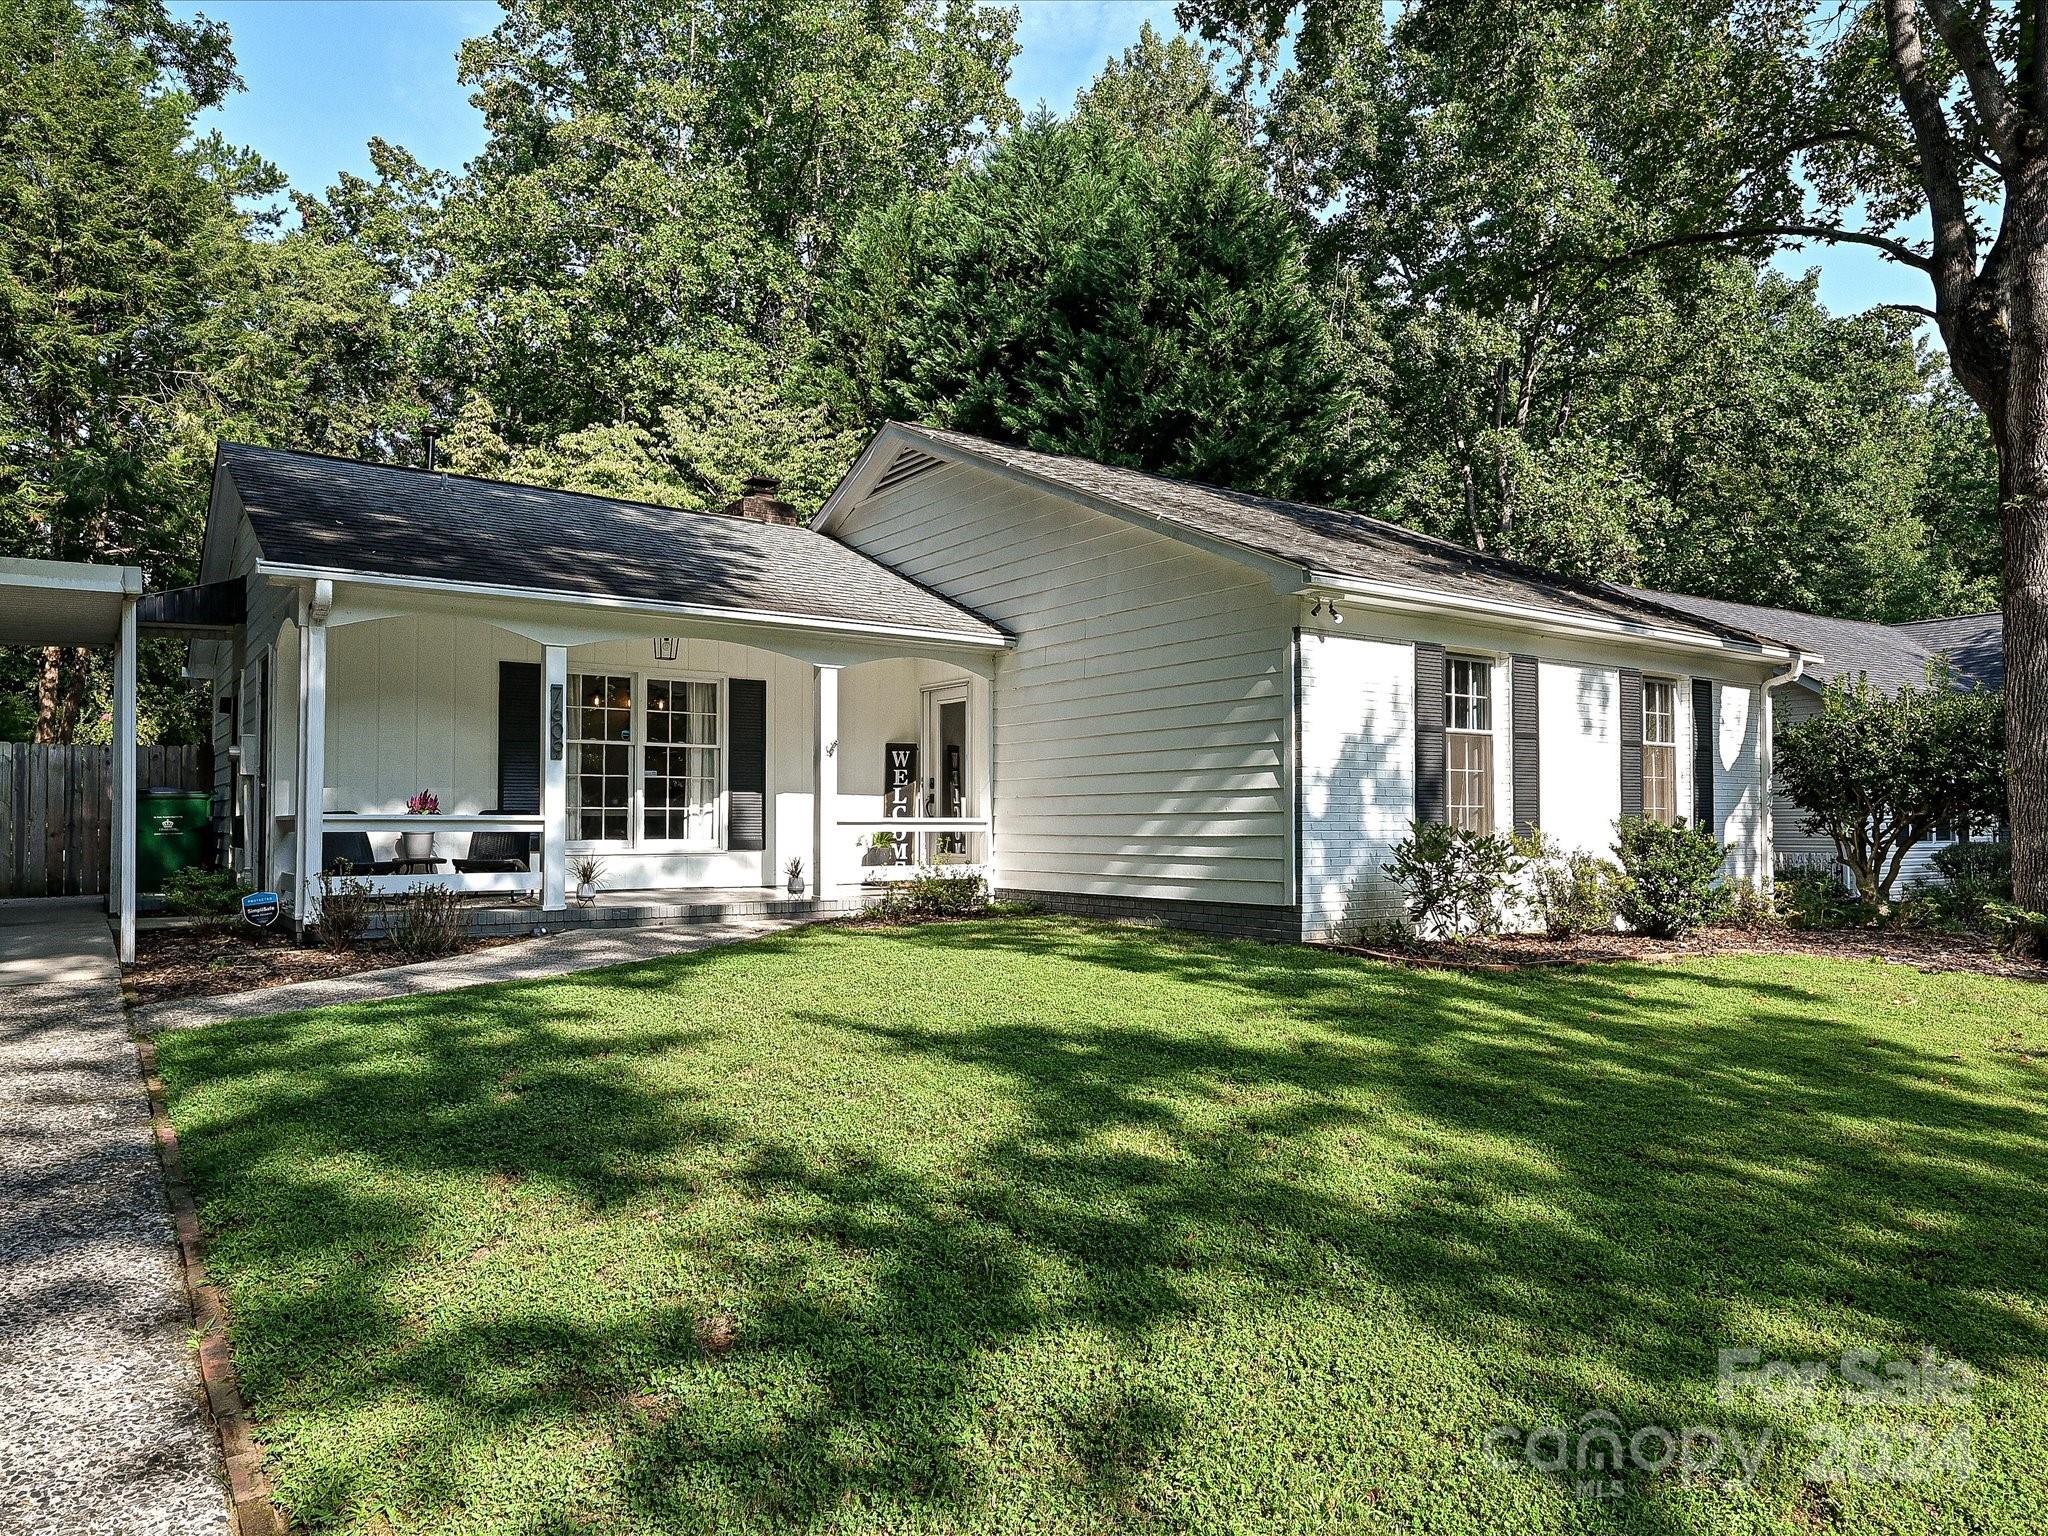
[
  {"x": 519, "y": 738},
  {"x": 1528, "y": 749},
  {"x": 1706, "y": 725},
  {"x": 1429, "y": 733},
  {"x": 1631, "y": 742},
  {"x": 746, "y": 715}
]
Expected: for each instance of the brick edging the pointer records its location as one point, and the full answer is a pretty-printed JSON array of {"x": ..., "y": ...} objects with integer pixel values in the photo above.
[{"x": 251, "y": 1508}]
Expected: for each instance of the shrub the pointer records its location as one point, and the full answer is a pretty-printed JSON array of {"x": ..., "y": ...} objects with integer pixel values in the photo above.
[
  {"x": 1572, "y": 893},
  {"x": 2018, "y": 931},
  {"x": 204, "y": 892},
  {"x": 1976, "y": 873},
  {"x": 346, "y": 907},
  {"x": 1671, "y": 877},
  {"x": 1751, "y": 905},
  {"x": 428, "y": 922},
  {"x": 1455, "y": 882},
  {"x": 934, "y": 891},
  {"x": 1811, "y": 895}
]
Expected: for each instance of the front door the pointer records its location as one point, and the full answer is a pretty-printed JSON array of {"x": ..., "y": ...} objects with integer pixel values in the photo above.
[{"x": 945, "y": 765}]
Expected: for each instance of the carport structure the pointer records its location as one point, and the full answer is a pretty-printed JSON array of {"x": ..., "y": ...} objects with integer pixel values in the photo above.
[{"x": 61, "y": 602}]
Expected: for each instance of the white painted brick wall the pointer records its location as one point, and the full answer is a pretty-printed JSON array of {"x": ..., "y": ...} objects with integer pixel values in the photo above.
[
  {"x": 1578, "y": 713},
  {"x": 1357, "y": 777},
  {"x": 1738, "y": 797}
]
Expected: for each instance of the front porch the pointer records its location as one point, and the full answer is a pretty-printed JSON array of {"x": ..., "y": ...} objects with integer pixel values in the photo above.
[{"x": 693, "y": 759}]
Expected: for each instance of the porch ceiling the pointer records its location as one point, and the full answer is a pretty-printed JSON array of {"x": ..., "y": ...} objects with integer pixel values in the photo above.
[{"x": 62, "y": 602}]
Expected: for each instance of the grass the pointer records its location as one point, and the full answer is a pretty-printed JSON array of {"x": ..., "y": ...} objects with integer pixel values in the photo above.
[{"x": 1038, "y": 1226}]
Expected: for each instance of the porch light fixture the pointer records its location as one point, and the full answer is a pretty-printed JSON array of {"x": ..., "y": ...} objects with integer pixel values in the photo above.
[
  {"x": 1329, "y": 603},
  {"x": 665, "y": 648}
]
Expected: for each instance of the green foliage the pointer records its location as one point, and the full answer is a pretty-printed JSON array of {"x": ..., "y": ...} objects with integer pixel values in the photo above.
[
  {"x": 1878, "y": 771},
  {"x": 1671, "y": 877},
  {"x": 1455, "y": 882},
  {"x": 1976, "y": 872},
  {"x": 1053, "y": 1220},
  {"x": 1573, "y": 892},
  {"x": 1811, "y": 894},
  {"x": 2018, "y": 931},
  {"x": 204, "y": 893},
  {"x": 934, "y": 891},
  {"x": 1099, "y": 289}
]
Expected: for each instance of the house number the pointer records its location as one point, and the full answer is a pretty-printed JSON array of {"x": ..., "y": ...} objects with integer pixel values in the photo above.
[{"x": 555, "y": 722}]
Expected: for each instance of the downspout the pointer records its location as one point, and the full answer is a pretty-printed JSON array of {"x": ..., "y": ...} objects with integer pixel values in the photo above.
[{"x": 1766, "y": 730}]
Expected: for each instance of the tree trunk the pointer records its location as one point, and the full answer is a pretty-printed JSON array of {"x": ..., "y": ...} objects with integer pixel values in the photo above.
[{"x": 2022, "y": 425}]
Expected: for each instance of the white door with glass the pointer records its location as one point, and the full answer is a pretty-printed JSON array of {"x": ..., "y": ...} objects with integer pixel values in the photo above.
[{"x": 945, "y": 791}]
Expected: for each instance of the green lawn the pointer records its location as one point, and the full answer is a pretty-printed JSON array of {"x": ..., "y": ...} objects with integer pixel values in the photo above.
[{"x": 1037, "y": 1226}]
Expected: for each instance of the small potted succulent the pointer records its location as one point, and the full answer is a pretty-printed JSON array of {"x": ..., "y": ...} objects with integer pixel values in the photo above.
[
  {"x": 795, "y": 870},
  {"x": 419, "y": 845},
  {"x": 588, "y": 868}
]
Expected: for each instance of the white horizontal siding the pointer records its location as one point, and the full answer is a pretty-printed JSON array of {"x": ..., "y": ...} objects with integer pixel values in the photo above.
[
  {"x": 1142, "y": 721},
  {"x": 1357, "y": 778}
]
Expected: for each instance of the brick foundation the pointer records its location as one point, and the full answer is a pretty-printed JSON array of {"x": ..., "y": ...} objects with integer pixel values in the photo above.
[{"x": 1219, "y": 919}]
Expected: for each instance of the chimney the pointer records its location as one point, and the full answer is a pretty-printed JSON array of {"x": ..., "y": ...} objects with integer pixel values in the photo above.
[
  {"x": 431, "y": 436},
  {"x": 759, "y": 503}
]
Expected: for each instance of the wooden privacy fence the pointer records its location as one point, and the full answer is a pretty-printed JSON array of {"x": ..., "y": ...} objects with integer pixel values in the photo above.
[{"x": 57, "y": 812}]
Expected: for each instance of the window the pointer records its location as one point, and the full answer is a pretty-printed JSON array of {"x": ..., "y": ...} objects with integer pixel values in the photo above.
[
  {"x": 1660, "y": 750},
  {"x": 680, "y": 778},
  {"x": 1468, "y": 743},
  {"x": 600, "y": 758},
  {"x": 648, "y": 774}
]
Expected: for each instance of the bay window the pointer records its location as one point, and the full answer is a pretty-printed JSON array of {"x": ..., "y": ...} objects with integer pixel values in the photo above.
[
  {"x": 1468, "y": 743},
  {"x": 644, "y": 764}
]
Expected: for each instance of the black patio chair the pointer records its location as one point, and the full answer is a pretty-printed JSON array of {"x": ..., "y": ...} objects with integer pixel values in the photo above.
[
  {"x": 495, "y": 853},
  {"x": 351, "y": 848}
]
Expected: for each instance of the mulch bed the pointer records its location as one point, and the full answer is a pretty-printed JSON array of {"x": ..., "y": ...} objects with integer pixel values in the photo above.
[
  {"x": 1922, "y": 950},
  {"x": 213, "y": 961}
]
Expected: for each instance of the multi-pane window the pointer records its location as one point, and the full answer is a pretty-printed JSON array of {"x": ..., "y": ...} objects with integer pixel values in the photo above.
[
  {"x": 1660, "y": 750},
  {"x": 600, "y": 757},
  {"x": 1468, "y": 743},
  {"x": 680, "y": 780}
]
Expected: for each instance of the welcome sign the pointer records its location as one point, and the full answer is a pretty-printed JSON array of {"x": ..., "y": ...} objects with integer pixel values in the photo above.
[{"x": 899, "y": 778}]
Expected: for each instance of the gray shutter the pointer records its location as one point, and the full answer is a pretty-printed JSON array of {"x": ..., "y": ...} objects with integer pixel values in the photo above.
[
  {"x": 519, "y": 738},
  {"x": 1429, "y": 733},
  {"x": 1705, "y": 726},
  {"x": 1631, "y": 742},
  {"x": 746, "y": 774},
  {"x": 1528, "y": 748}
]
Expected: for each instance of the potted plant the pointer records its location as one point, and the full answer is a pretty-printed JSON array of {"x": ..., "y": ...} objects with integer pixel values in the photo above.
[
  {"x": 588, "y": 868},
  {"x": 881, "y": 849},
  {"x": 795, "y": 870},
  {"x": 419, "y": 845}
]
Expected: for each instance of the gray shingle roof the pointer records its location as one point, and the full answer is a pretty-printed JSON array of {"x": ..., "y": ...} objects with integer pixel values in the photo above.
[
  {"x": 1973, "y": 643},
  {"x": 1890, "y": 655},
  {"x": 344, "y": 515},
  {"x": 1324, "y": 539}
]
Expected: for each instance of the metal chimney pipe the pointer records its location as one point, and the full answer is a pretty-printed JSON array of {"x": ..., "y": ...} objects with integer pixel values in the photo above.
[{"x": 432, "y": 437}]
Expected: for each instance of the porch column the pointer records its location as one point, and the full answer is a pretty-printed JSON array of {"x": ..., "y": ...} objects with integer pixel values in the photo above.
[
  {"x": 123, "y": 852},
  {"x": 312, "y": 806},
  {"x": 985, "y": 776},
  {"x": 825, "y": 800},
  {"x": 554, "y": 779}
]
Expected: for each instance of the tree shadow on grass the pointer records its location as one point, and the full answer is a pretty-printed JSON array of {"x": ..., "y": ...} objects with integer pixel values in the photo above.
[{"x": 1590, "y": 1179}]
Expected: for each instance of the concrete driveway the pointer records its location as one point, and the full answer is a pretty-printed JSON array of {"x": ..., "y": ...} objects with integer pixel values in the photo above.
[{"x": 102, "y": 1427}]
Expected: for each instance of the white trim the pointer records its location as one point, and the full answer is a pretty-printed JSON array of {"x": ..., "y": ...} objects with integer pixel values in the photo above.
[{"x": 753, "y": 618}]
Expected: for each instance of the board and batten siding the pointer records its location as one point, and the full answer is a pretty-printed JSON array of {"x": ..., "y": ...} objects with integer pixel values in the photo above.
[
  {"x": 1143, "y": 721},
  {"x": 1579, "y": 729}
]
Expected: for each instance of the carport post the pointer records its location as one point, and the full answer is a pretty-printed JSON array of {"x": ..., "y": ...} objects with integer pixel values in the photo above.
[{"x": 122, "y": 853}]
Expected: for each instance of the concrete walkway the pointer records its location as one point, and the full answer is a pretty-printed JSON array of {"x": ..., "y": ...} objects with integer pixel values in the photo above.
[
  {"x": 556, "y": 954},
  {"x": 101, "y": 1425}
]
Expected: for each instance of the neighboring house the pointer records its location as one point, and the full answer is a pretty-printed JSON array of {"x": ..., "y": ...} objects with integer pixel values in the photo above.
[
  {"x": 1891, "y": 656},
  {"x": 1120, "y": 694}
]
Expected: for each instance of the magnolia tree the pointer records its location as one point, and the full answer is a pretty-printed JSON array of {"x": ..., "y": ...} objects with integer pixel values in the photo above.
[{"x": 1878, "y": 772}]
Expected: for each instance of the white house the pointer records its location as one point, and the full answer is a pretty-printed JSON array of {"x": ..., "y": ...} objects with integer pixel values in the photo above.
[{"x": 1117, "y": 693}]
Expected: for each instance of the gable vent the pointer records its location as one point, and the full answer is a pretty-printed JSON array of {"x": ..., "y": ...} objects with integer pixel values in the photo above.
[{"x": 910, "y": 463}]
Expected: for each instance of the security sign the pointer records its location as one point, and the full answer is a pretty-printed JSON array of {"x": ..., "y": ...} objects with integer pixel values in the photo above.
[{"x": 259, "y": 909}]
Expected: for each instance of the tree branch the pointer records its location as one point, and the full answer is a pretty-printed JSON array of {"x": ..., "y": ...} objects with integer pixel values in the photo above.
[
  {"x": 1898, "y": 250},
  {"x": 1909, "y": 309},
  {"x": 1980, "y": 72},
  {"x": 1955, "y": 241}
]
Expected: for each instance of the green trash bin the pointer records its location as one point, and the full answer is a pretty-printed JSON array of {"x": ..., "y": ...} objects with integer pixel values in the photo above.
[{"x": 170, "y": 834}]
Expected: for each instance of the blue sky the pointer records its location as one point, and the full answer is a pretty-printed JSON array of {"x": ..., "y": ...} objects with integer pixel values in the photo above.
[{"x": 324, "y": 76}]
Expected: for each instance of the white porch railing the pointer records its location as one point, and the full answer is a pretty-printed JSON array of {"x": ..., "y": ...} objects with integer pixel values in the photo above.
[{"x": 451, "y": 833}]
